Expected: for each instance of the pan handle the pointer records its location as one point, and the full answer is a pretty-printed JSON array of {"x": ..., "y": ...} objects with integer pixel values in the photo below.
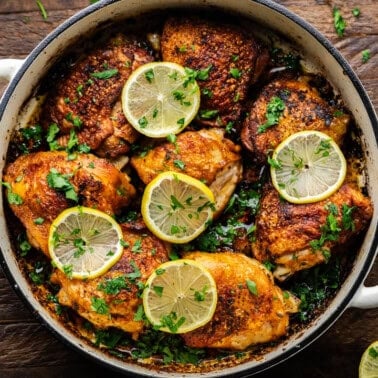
[
  {"x": 8, "y": 67},
  {"x": 365, "y": 297}
]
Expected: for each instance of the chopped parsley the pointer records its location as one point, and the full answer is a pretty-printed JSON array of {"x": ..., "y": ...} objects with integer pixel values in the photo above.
[
  {"x": 179, "y": 164},
  {"x": 200, "y": 296},
  {"x": 235, "y": 73},
  {"x": 208, "y": 114},
  {"x": 171, "y": 322},
  {"x": 274, "y": 111},
  {"x": 61, "y": 183},
  {"x": 143, "y": 122},
  {"x": 252, "y": 287},
  {"x": 365, "y": 55},
  {"x": 99, "y": 305},
  {"x": 338, "y": 22},
  {"x": 113, "y": 286},
  {"x": 32, "y": 138},
  {"x": 313, "y": 286},
  {"x": 356, "y": 12},
  {"x": 332, "y": 228},
  {"x": 149, "y": 75},
  {"x": 192, "y": 75},
  {"x": 158, "y": 290},
  {"x": 106, "y": 74},
  {"x": 170, "y": 347},
  {"x": 23, "y": 244},
  {"x": 42, "y": 9},
  {"x": 12, "y": 197}
]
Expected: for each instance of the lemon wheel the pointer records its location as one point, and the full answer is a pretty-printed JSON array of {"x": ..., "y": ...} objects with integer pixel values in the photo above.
[
  {"x": 369, "y": 362},
  {"x": 176, "y": 207},
  {"x": 84, "y": 242},
  {"x": 159, "y": 99},
  {"x": 307, "y": 167},
  {"x": 180, "y": 296}
]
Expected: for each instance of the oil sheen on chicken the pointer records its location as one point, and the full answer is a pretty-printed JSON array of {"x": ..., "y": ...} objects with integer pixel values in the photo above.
[
  {"x": 232, "y": 58},
  {"x": 292, "y": 236},
  {"x": 251, "y": 309},
  {"x": 119, "y": 288},
  {"x": 96, "y": 182},
  {"x": 87, "y": 99},
  {"x": 304, "y": 109},
  {"x": 205, "y": 155}
]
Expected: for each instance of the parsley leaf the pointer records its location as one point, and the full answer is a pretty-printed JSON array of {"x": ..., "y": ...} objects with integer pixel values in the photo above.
[
  {"x": 274, "y": 110},
  {"x": 338, "y": 22},
  {"x": 252, "y": 287},
  {"x": 61, "y": 183},
  {"x": 99, "y": 305},
  {"x": 365, "y": 55},
  {"x": 106, "y": 74}
]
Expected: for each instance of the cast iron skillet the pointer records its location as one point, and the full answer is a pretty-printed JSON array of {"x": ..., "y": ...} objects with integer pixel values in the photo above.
[{"x": 25, "y": 75}]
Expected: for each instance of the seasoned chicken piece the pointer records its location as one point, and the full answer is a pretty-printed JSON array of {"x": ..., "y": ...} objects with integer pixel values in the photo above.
[
  {"x": 87, "y": 98},
  {"x": 233, "y": 59},
  {"x": 296, "y": 237},
  {"x": 243, "y": 316},
  {"x": 304, "y": 110},
  {"x": 205, "y": 155},
  {"x": 119, "y": 289},
  {"x": 42, "y": 181}
]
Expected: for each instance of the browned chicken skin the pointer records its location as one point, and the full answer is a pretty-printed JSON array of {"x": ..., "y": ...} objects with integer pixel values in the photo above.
[
  {"x": 143, "y": 254},
  {"x": 241, "y": 318},
  {"x": 205, "y": 155},
  {"x": 88, "y": 101},
  {"x": 284, "y": 231},
  {"x": 304, "y": 110},
  {"x": 97, "y": 183},
  {"x": 235, "y": 58}
]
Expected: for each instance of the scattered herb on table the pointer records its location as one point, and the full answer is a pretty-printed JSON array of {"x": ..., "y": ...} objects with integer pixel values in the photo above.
[
  {"x": 338, "y": 22},
  {"x": 365, "y": 55},
  {"x": 356, "y": 12},
  {"x": 42, "y": 9}
]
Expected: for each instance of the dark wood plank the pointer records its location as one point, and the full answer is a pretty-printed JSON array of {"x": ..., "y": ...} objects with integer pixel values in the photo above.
[{"x": 19, "y": 6}]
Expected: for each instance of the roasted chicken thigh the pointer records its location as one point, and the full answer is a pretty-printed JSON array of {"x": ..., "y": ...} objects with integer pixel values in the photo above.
[
  {"x": 119, "y": 289},
  {"x": 251, "y": 309},
  {"x": 205, "y": 155},
  {"x": 41, "y": 181},
  {"x": 87, "y": 99},
  {"x": 229, "y": 61},
  {"x": 304, "y": 109},
  {"x": 296, "y": 237}
]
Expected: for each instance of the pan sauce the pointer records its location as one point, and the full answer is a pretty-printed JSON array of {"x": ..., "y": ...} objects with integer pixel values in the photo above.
[{"x": 305, "y": 284}]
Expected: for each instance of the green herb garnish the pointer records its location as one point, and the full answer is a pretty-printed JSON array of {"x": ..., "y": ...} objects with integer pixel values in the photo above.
[{"x": 274, "y": 111}]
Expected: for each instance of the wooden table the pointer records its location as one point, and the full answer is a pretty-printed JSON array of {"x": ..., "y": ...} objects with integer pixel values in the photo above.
[{"x": 27, "y": 349}]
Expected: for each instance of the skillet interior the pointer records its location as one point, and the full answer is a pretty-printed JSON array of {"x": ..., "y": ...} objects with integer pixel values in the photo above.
[{"x": 352, "y": 93}]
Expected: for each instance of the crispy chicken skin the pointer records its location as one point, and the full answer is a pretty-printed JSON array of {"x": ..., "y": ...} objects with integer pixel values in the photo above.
[
  {"x": 143, "y": 254},
  {"x": 241, "y": 317},
  {"x": 84, "y": 102},
  {"x": 284, "y": 230},
  {"x": 304, "y": 110},
  {"x": 205, "y": 155},
  {"x": 97, "y": 183},
  {"x": 236, "y": 60}
]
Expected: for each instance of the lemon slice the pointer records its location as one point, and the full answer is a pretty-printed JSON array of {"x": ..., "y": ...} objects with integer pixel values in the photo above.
[
  {"x": 369, "y": 362},
  {"x": 84, "y": 243},
  {"x": 307, "y": 167},
  {"x": 160, "y": 99},
  {"x": 176, "y": 207},
  {"x": 180, "y": 296}
]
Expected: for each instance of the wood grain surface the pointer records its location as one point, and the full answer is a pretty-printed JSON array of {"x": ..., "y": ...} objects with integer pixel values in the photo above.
[{"x": 27, "y": 349}]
